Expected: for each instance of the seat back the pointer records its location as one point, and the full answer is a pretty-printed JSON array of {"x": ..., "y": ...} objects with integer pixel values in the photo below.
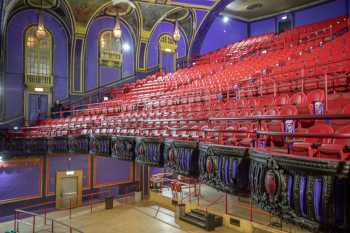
[
  {"x": 320, "y": 128},
  {"x": 298, "y": 99},
  {"x": 315, "y": 96},
  {"x": 282, "y": 99},
  {"x": 343, "y": 141}
]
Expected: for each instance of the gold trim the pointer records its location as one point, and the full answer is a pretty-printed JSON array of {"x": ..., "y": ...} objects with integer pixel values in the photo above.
[{"x": 166, "y": 43}]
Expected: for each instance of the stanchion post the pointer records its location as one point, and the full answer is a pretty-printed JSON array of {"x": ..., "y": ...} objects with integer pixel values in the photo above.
[
  {"x": 45, "y": 216},
  {"x": 70, "y": 208},
  {"x": 225, "y": 203},
  {"x": 34, "y": 224},
  {"x": 326, "y": 91},
  {"x": 90, "y": 199},
  {"x": 15, "y": 221},
  {"x": 251, "y": 210}
]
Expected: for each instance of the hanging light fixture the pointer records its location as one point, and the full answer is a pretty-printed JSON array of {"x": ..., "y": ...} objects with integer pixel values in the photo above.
[
  {"x": 177, "y": 35},
  {"x": 40, "y": 31},
  {"x": 117, "y": 31}
]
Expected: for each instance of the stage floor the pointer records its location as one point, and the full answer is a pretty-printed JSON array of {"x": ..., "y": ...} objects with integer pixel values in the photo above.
[{"x": 145, "y": 218}]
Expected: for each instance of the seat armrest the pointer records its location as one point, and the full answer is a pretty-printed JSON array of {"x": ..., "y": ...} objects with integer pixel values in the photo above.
[
  {"x": 347, "y": 148},
  {"x": 288, "y": 141},
  {"x": 315, "y": 145}
]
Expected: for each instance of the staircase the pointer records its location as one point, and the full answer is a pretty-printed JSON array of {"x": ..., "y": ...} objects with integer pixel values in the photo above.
[{"x": 203, "y": 219}]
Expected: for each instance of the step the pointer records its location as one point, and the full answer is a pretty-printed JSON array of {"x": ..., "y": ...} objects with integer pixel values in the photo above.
[
  {"x": 199, "y": 212},
  {"x": 218, "y": 220},
  {"x": 189, "y": 219},
  {"x": 198, "y": 216}
]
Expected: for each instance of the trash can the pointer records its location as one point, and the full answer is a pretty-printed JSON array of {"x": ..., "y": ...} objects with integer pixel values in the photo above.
[
  {"x": 180, "y": 210},
  {"x": 109, "y": 202}
]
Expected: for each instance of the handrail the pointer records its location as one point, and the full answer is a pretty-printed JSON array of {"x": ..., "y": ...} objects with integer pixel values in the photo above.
[
  {"x": 213, "y": 202},
  {"x": 304, "y": 135},
  {"x": 34, "y": 215},
  {"x": 290, "y": 71},
  {"x": 194, "y": 92},
  {"x": 99, "y": 90},
  {"x": 209, "y": 119},
  {"x": 11, "y": 120}
]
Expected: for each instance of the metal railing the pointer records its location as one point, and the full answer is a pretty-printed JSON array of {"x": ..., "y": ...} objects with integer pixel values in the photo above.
[{"x": 36, "y": 223}]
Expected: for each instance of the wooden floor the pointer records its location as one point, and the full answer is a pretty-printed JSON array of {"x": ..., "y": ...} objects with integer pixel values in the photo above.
[{"x": 121, "y": 219}]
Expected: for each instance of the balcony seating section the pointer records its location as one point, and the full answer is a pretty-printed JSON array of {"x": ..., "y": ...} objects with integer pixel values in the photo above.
[{"x": 277, "y": 75}]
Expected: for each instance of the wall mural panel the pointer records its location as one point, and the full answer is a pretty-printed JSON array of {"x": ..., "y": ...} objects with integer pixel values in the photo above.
[
  {"x": 149, "y": 151},
  {"x": 308, "y": 192},
  {"x": 83, "y": 10},
  {"x": 181, "y": 157},
  {"x": 151, "y": 13},
  {"x": 225, "y": 168}
]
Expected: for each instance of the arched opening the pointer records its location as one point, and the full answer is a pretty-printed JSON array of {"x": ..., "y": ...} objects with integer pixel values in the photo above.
[
  {"x": 38, "y": 76},
  {"x": 168, "y": 53}
]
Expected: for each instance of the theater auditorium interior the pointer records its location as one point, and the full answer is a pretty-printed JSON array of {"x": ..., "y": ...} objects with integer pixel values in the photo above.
[{"x": 175, "y": 116}]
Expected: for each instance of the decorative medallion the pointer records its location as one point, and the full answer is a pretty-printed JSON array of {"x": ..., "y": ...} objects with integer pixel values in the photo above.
[
  {"x": 172, "y": 156},
  {"x": 270, "y": 183},
  {"x": 210, "y": 165}
]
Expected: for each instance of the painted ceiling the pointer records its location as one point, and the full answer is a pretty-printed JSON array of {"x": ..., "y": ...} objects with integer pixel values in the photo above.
[
  {"x": 83, "y": 10},
  {"x": 250, "y": 10}
]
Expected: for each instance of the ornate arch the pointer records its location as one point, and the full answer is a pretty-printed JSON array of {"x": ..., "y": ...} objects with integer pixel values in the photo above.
[{"x": 205, "y": 26}]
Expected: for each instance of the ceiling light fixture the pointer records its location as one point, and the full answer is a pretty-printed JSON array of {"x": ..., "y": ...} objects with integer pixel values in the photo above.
[
  {"x": 177, "y": 35},
  {"x": 117, "y": 31},
  {"x": 40, "y": 31},
  {"x": 285, "y": 17},
  {"x": 225, "y": 19}
]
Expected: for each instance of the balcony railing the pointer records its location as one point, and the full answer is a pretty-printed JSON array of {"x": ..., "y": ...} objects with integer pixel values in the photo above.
[{"x": 38, "y": 80}]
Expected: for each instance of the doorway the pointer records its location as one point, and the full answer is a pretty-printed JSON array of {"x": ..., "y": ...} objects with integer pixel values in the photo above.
[
  {"x": 168, "y": 62},
  {"x": 68, "y": 189},
  {"x": 284, "y": 25},
  {"x": 38, "y": 107}
]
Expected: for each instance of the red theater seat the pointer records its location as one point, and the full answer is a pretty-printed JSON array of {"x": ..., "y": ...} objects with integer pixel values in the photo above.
[
  {"x": 338, "y": 149},
  {"x": 309, "y": 146}
]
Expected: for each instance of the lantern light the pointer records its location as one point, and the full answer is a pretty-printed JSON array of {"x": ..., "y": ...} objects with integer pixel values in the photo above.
[
  {"x": 117, "y": 31},
  {"x": 177, "y": 35}
]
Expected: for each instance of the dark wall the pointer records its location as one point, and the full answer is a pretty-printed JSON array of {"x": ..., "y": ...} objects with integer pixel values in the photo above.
[
  {"x": 323, "y": 11},
  {"x": 263, "y": 27},
  {"x": 222, "y": 33}
]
